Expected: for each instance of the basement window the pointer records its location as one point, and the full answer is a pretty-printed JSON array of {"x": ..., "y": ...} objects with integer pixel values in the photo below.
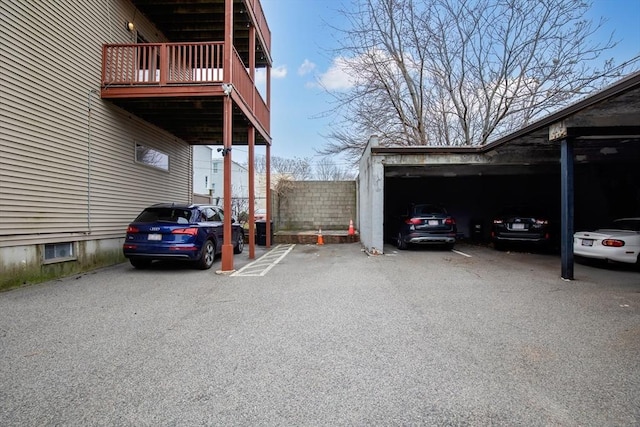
[
  {"x": 152, "y": 157},
  {"x": 55, "y": 252}
]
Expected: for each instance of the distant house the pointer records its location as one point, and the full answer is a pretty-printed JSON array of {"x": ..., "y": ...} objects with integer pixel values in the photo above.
[
  {"x": 100, "y": 122},
  {"x": 202, "y": 173},
  {"x": 239, "y": 185}
]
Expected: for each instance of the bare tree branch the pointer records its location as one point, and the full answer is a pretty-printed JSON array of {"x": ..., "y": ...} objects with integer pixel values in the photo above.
[
  {"x": 462, "y": 72},
  {"x": 327, "y": 170},
  {"x": 298, "y": 169}
]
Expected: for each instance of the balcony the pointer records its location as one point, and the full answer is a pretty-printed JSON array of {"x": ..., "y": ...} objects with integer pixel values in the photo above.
[{"x": 179, "y": 85}]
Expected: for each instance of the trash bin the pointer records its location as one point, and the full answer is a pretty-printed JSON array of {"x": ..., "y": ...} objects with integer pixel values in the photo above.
[
  {"x": 476, "y": 228},
  {"x": 261, "y": 233}
]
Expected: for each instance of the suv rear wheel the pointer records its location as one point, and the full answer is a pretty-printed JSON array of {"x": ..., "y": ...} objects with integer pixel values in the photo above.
[
  {"x": 208, "y": 254},
  {"x": 140, "y": 263},
  {"x": 400, "y": 243}
]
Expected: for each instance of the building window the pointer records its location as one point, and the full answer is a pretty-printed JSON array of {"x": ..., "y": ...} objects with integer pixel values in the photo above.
[
  {"x": 152, "y": 157},
  {"x": 215, "y": 167},
  {"x": 58, "y": 251}
]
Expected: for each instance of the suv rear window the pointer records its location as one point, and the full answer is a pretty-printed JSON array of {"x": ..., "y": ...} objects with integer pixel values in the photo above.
[
  {"x": 428, "y": 210},
  {"x": 180, "y": 216}
]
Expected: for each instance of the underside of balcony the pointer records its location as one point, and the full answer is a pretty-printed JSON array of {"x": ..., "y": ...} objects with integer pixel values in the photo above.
[{"x": 198, "y": 120}]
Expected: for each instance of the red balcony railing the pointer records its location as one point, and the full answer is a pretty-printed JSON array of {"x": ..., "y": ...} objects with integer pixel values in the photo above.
[
  {"x": 162, "y": 63},
  {"x": 165, "y": 65}
]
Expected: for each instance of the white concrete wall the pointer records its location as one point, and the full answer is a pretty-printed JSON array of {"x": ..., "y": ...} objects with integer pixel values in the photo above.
[{"x": 371, "y": 199}]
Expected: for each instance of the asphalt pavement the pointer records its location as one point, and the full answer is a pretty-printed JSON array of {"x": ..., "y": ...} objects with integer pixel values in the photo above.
[{"x": 327, "y": 336}]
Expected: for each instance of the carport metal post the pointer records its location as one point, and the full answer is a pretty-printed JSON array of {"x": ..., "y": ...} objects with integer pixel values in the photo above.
[{"x": 566, "y": 207}]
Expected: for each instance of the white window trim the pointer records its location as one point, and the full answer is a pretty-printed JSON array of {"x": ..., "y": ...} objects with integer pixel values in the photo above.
[
  {"x": 153, "y": 151},
  {"x": 72, "y": 257}
]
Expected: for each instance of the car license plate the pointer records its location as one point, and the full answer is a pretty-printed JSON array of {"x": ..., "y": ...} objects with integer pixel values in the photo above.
[
  {"x": 155, "y": 236},
  {"x": 517, "y": 226},
  {"x": 587, "y": 242},
  {"x": 433, "y": 222}
]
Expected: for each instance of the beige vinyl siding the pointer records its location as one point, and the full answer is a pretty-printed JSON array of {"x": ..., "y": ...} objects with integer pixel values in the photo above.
[{"x": 68, "y": 172}]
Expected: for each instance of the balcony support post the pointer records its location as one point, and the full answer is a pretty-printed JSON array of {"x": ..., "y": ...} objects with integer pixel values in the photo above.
[
  {"x": 227, "y": 136},
  {"x": 251, "y": 137},
  {"x": 268, "y": 194},
  {"x": 227, "y": 245}
]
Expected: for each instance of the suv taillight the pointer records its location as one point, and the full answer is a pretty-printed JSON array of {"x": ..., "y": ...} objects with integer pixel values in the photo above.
[
  {"x": 131, "y": 229},
  {"x": 413, "y": 221},
  {"x": 189, "y": 231},
  {"x": 450, "y": 221}
]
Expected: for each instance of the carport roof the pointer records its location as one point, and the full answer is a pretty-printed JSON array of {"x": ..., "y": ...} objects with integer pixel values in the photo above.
[{"x": 604, "y": 127}]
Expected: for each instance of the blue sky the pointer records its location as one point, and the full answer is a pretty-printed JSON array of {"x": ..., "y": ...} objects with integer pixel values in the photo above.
[{"x": 301, "y": 44}]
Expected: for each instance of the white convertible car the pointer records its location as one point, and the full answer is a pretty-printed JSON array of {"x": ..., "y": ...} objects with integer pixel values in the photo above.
[{"x": 619, "y": 242}]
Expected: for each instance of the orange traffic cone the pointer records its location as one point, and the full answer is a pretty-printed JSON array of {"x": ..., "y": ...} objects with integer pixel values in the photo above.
[
  {"x": 351, "y": 230},
  {"x": 320, "y": 239}
]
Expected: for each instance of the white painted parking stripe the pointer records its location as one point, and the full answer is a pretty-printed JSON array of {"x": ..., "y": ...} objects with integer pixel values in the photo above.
[
  {"x": 461, "y": 253},
  {"x": 266, "y": 262}
]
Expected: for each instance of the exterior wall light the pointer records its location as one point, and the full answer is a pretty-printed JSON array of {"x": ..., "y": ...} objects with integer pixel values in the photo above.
[{"x": 227, "y": 88}]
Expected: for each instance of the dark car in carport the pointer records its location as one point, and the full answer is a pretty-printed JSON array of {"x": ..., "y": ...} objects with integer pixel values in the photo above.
[
  {"x": 425, "y": 224},
  {"x": 522, "y": 225},
  {"x": 181, "y": 232}
]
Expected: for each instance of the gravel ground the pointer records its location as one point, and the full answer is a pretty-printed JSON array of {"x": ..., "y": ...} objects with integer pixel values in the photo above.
[{"x": 329, "y": 336}]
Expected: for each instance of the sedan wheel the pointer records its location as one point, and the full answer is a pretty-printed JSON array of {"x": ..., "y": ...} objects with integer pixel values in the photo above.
[{"x": 208, "y": 255}]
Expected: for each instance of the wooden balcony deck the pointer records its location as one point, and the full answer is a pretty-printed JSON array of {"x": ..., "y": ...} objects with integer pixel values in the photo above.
[{"x": 180, "y": 70}]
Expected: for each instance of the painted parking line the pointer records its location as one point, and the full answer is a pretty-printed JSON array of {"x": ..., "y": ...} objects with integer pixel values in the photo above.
[
  {"x": 266, "y": 262},
  {"x": 461, "y": 253},
  {"x": 395, "y": 253}
]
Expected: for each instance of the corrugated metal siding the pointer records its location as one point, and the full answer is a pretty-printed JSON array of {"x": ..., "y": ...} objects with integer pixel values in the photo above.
[{"x": 68, "y": 173}]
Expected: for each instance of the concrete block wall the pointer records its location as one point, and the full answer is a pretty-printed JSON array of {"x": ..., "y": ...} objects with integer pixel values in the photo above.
[{"x": 310, "y": 205}]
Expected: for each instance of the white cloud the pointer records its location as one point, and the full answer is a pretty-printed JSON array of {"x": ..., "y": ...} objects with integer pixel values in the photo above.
[
  {"x": 276, "y": 73},
  {"x": 337, "y": 76},
  {"x": 279, "y": 72},
  {"x": 306, "y": 67}
]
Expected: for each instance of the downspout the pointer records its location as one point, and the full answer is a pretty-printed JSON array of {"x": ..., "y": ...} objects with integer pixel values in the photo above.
[{"x": 89, "y": 108}]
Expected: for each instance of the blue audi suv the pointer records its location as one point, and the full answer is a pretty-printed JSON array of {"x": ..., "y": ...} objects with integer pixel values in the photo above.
[{"x": 183, "y": 232}]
